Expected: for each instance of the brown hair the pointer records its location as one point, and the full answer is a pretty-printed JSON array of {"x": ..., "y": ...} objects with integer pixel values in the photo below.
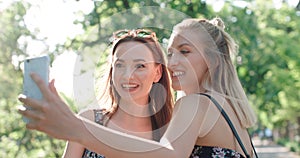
[{"x": 161, "y": 99}]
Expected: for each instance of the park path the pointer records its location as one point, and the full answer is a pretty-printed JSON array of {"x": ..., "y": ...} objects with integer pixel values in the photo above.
[{"x": 268, "y": 149}]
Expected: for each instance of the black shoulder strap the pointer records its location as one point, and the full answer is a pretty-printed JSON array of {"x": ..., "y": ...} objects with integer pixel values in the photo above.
[{"x": 231, "y": 126}]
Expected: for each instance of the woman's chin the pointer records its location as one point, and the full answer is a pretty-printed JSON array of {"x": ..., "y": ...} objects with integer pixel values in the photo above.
[{"x": 176, "y": 87}]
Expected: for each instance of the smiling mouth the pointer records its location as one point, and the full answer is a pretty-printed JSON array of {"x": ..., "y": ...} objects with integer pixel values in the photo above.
[
  {"x": 129, "y": 86},
  {"x": 177, "y": 73}
]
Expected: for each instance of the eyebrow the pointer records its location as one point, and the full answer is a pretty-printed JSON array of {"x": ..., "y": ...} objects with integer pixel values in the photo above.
[
  {"x": 181, "y": 45},
  {"x": 135, "y": 60}
]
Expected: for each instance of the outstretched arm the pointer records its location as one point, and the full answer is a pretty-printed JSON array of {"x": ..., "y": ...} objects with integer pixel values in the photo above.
[
  {"x": 53, "y": 117},
  {"x": 73, "y": 150}
]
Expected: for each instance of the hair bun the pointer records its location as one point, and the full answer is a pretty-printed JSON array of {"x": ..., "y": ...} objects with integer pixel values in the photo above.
[{"x": 218, "y": 22}]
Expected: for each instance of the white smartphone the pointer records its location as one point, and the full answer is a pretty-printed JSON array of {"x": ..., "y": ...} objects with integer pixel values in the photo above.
[{"x": 40, "y": 66}]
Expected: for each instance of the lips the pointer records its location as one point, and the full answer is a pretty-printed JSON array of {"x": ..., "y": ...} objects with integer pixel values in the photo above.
[
  {"x": 131, "y": 87},
  {"x": 128, "y": 86}
]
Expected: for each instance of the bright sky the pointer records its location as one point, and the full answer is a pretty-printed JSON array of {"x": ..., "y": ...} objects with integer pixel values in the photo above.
[{"x": 52, "y": 20}]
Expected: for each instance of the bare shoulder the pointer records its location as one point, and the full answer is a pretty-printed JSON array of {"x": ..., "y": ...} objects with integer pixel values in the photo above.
[
  {"x": 87, "y": 113},
  {"x": 193, "y": 100},
  {"x": 193, "y": 103}
]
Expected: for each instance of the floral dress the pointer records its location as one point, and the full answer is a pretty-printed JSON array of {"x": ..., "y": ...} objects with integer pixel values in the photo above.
[
  {"x": 90, "y": 154},
  {"x": 214, "y": 152}
]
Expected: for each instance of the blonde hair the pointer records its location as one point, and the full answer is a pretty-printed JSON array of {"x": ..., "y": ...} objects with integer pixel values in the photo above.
[{"x": 221, "y": 76}]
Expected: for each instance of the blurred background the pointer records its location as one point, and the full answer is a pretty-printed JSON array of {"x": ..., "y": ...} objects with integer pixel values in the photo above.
[{"x": 75, "y": 34}]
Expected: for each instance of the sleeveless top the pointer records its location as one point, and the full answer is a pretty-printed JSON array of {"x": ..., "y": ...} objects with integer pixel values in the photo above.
[{"x": 198, "y": 151}]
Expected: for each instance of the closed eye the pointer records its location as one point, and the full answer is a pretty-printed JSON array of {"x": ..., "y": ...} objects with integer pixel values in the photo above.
[
  {"x": 118, "y": 65},
  {"x": 140, "y": 66},
  {"x": 184, "y": 51}
]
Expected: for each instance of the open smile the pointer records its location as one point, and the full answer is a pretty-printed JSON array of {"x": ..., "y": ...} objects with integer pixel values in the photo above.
[
  {"x": 130, "y": 87},
  {"x": 177, "y": 73}
]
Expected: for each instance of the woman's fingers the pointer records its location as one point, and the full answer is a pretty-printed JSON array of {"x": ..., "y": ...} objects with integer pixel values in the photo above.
[
  {"x": 52, "y": 87},
  {"x": 41, "y": 84},
  {"x": 29, "y": 102},
  {"x": 31, "y": 114},
  {"x": 32, "y": 126}
]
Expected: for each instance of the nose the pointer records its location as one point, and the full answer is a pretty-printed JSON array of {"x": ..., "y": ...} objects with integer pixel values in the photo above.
[
  {"x": 128, "y": 74},
  {"x": 173, "y": 60}
]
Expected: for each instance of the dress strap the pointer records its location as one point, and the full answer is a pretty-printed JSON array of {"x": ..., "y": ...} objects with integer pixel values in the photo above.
[
  {"x": 231, "y": 125},
  {"x": 101, "y": 116},
  {"x": 102, "y": 119}
]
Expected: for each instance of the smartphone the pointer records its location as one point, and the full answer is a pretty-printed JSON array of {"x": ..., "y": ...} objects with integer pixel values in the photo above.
[{"x": 39, "y": 65}]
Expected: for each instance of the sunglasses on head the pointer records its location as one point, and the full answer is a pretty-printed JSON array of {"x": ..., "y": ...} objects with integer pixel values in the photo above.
[{"x": 138, "y": 33}]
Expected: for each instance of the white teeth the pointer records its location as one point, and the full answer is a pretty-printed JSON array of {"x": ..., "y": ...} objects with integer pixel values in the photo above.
[
  {"x": 129, "y": 85},
  {"x": 178, "y": 73}
]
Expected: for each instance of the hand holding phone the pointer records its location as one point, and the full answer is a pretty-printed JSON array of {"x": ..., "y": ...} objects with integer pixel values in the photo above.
[{"x": 40, "y": 66}]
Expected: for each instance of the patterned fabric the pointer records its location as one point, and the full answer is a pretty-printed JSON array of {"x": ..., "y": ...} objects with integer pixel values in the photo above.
[
  {"x": 91, "y": 154},
  {"x": 100, "y": 119},
  {"x": 214, "y": 152}
]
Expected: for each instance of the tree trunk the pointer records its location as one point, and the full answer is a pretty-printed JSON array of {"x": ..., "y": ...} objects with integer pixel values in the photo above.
[{"x": 287, "y": 130}]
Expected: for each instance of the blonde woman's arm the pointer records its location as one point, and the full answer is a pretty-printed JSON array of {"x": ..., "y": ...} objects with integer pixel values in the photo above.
[
  {"x": 52, "y": 116},
  {"x": 74, "y": 149}
]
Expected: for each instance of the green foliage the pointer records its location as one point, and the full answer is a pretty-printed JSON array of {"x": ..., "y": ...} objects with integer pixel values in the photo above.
[
  {"x": 293, "y": 145},
  {"x": 281, "y": 48},
  {"x": 15, "y": 140},
  {"x": 267, "y": 63}
]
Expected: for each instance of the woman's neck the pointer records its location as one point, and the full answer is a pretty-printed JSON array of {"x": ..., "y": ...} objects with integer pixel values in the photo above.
[
  {"x": 136, "y": 110},
  {"x": 125, "y": 121}
]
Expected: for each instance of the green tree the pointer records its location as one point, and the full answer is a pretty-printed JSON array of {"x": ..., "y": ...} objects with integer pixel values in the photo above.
[
  {"x": 267, "y": 63},
  {"x": 15, "y": 140}
]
